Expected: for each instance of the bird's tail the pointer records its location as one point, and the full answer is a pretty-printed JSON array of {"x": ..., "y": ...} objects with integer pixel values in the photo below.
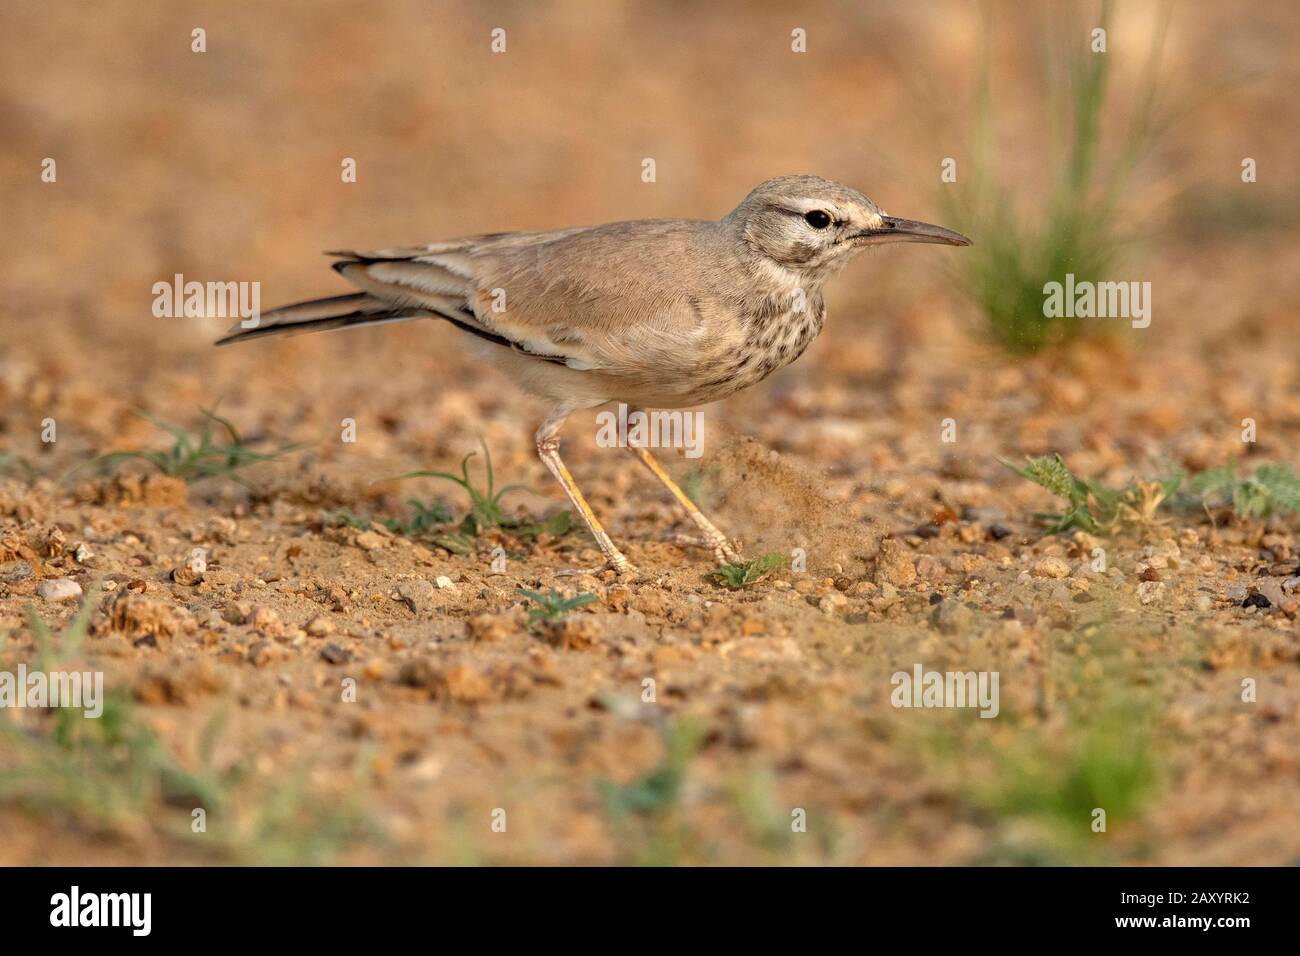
[{"x": 318, "y": 315}]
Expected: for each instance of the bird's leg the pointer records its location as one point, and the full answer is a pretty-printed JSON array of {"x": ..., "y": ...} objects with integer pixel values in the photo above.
[
  {"x": 548, "y": 449},
  {"x": 723, "y": 551}
]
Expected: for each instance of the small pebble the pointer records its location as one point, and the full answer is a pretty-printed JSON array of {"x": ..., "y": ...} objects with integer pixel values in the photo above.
[
  {"x": 1051, "y": 568},
  {"x": 58, "y": 589},
  {"x": 951, "y": 617},
  {"x": 320, "y": 626},
  {"x": 334, "y": 654},
  {"x": 371, "y": 541},
  {"x": 416, "y": 595},
  {"x": 266, "y": 621},
  {"x": 186, "y": 575}
]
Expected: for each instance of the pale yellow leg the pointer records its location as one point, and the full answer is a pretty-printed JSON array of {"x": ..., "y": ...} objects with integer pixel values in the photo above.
[
  {"x": 723, "y": 551},
  {"x": 548, "y": 449}
]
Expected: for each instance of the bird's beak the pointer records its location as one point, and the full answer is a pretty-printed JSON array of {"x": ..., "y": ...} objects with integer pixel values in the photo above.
[{"x": 893, "y": 229}]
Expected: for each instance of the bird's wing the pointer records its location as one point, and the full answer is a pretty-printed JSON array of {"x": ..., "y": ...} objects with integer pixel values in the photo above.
[{"x": 598, "y": 297}]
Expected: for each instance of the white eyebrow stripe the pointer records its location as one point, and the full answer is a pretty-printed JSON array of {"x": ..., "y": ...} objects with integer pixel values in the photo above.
[{"x": 808, "y": 205}]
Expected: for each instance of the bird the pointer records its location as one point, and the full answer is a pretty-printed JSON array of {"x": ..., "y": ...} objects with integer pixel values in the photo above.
[{"x": 649, "y": 313}]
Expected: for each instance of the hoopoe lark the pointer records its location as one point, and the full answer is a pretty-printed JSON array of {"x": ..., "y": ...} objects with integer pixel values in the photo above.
[{"x": 654, "y": 313}]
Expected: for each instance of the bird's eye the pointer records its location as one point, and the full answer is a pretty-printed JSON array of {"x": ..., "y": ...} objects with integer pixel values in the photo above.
[{"x": 817, "y": 218}]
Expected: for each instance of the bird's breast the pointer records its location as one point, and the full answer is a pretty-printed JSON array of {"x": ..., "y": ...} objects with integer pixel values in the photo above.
[{"x": 775, "y": 335}]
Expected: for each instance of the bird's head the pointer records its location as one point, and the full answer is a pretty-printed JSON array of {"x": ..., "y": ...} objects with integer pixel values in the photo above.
[{"x": 813, "y": 226}]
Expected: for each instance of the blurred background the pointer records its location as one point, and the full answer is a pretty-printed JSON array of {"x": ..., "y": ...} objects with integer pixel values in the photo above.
[{"x": 225, "y": 166}]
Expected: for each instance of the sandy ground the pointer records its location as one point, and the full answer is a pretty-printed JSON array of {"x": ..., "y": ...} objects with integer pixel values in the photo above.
[{"x": 327, "y": 692}]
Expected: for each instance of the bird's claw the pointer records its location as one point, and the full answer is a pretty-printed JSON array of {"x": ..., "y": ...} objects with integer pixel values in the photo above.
[
  {"x": 723, "y": 550},
  {"x": 623, "y": 569}
]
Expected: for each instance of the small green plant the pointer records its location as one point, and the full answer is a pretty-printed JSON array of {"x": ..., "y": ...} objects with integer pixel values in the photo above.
[
  {"x": 658, "y": 791},
  {"x": 741, "y": 574},
  {"x": 111, "y": 769},
  {"x": 1037, "y": 780},
  {"x": 114, "y": 772},
  {"x": 1080, "y": 229},
  {"x": 345, "y": 517},
  {"x": 647, "y": 812},
  {"x": 193, "y": 458},
  {"x": 1106, "y": 760},
  {"x": 1093, "y": 507},
  {"x": 485, "y": 509},
  {"x": 424, "y": 517},
  {"x": 1274, "y": 489},
  {"x": 1051, "y": 472},
  {"x": 552, "y": 608},
  {"x": 557, "y": 525},
  {"x": 760, "y": 815}
]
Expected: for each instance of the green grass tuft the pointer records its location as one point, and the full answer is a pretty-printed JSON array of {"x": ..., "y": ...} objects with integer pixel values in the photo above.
[
  {"x": 346, "y": 518},
  {"x": 1051, "y": 472},
  {"x": 1079, "y": 228},
  {"x": 195, "y": 457},
  {"x": 485, "y": 510},
  {"x": 742, "y": 574},
  {"x": 647, "y": 812},
  {"x": 110, "y": 770},
  {"x": 552, "y": 608},
  {"x": 424, "y": 517},
  {"x": 1274, "y": 489},
  {"x": 658, "y": 791}
]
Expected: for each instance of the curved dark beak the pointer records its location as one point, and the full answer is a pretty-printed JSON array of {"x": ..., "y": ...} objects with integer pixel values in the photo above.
[{"x": 909, "y": 230}]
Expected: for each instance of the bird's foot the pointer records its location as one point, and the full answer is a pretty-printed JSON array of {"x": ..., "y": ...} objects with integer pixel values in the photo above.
[
  {"x": 619, "y": 565},
  {"x": 724, "y": 552}
]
